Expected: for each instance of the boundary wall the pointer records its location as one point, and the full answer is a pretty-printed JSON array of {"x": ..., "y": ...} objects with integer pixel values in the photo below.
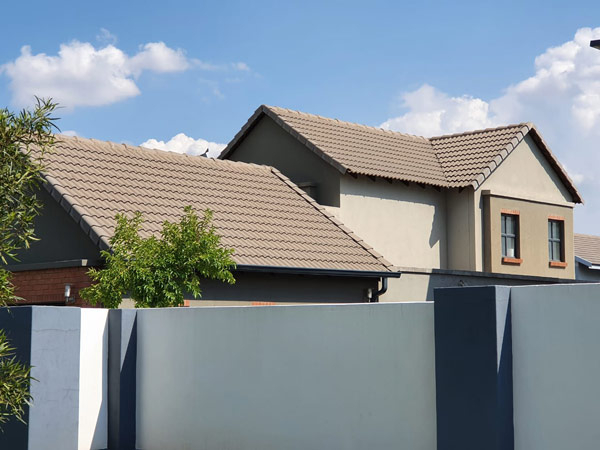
[{"x": 481, "y": 367}]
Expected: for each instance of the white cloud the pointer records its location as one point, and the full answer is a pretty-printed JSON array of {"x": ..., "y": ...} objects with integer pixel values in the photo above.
[
  {"x": 106, "y": 37},
  {"x": 431, "y": 112},
  {"x": 82, "y": 75},
  {"x": 181, "y": 143},
  {"x": 562, "y": 98}
]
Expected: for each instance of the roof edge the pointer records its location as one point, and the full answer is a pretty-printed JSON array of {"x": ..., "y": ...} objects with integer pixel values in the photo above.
[
  {"x": 264, "y": 110},
  {"x": 560, "y": 170},
  {"x": 91, "y": 229},
  {"x": 317, "y": 271},
  {"x": 528, "y": 128},
  {"x": 583, "y": 261},
  {"x": 335, "y": 221}
]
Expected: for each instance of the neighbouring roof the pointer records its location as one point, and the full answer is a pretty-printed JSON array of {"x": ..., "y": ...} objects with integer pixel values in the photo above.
[
  {"x": 457, "y": 160},
  {"x": 259, "y": 213},
  {"x": 587, "y": 248}
]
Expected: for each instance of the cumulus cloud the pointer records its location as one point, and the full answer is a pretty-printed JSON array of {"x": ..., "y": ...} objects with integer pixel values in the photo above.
[
  {"x": 562, "y": 98},
  {"x": 432, "y": 112},
  {"x": 82, "y": 75},
  {"x": 182, "y": 143},
  {"x": 565, "y": 90}
]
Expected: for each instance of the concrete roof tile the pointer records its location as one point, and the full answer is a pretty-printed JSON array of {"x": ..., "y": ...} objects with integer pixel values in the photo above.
[
  {"x": 587, "y": 247},
  {"x": 370, "y": 151},
  {"x": 266, "y": 218}
]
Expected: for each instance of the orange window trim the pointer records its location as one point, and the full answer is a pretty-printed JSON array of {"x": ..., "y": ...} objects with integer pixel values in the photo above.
[
  {"x": 556, "y": 218},
  {"x": 507, "y": 260},
  {"x": 512, "y": 212},
  {"x": 560, "y": 264}
]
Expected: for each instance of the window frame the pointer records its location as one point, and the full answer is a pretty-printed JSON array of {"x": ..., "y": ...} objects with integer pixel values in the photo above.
[
  {"x": 504, "y": 236},
  {"x": 561, "y": 262}
]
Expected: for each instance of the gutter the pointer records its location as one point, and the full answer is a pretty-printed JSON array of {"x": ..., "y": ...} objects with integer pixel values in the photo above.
[
  {"x": 384, "y": 287},
  {"x": 317, "y": 271}
]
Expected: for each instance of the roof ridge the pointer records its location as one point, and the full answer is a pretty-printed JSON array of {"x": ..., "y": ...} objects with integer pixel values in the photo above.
[
  {"x": 335, "y": 221},
  {"x": 482, "y": 130},
  {"x": 587, "y": 235},
  {"x": 147, "y": 150},
  {"x": 354, "y": 124}
]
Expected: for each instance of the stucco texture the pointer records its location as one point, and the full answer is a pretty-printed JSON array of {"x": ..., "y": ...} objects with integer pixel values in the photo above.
[
  {"x": 406, "y": 224},
  {"x": 287, "y": 377}
]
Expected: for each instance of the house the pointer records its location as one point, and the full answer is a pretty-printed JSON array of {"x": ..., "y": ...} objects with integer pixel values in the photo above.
[
  {"x": 287, "y": 247},
  {"x": 464, "y": 209},
  {"x": 587, "y": 257}
]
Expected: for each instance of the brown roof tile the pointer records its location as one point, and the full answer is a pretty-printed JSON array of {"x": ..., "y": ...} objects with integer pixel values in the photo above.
[
  {"x": 587, "y": 247},
  {"x": 262, "y": 215},
  {"x": 457, "y": 160}
]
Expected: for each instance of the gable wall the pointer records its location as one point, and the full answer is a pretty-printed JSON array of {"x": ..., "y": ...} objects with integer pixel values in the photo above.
[
  {"x": 526, "y": 173},
  {"x": 60, "y": 237},
  {"x": 525, "y": 181},
  {"x": 269, "y": 144},
  {"x": 406, "y": 224}
]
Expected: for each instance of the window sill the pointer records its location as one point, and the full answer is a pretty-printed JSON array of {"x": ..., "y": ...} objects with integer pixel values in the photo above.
[
  {"x": 507, "y": 260},
  {"x": 559, "y": 264}
]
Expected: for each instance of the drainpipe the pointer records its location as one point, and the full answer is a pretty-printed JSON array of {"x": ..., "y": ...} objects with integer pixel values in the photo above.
[{"x": 383, "y": 290}]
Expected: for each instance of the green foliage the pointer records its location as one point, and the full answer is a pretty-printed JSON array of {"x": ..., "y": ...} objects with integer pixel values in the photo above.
[
  {"x": 156, "y": 272},
  {"x": 24, "y": 139},
  {"x": 14, "y": 383}
]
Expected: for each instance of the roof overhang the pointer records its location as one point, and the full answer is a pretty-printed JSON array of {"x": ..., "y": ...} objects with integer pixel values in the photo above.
[
  {"x": 587, "y": 263},
  {"x": 595, "y": 44},
  {"x": 317, "y": 271}
]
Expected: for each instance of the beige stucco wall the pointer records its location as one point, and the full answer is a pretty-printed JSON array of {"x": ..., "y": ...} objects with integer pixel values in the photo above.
[
  {"x": 406, "y": 224},
  {"x": 533, "y": 236},
  {"x": 526, "y": 175},
  {"x": 460, "y": 220}
]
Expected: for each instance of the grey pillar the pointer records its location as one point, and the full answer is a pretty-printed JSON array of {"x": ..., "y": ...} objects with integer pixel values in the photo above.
[
  {"x": 16, "y": 323},
  {"x": 122, "y": 345},
  {"x": 473, "y": 362}
]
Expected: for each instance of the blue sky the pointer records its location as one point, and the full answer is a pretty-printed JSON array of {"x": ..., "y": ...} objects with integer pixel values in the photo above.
[{"x": 420, "y": 67}]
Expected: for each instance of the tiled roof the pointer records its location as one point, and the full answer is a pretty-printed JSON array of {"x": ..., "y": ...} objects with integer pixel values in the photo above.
[
  {"x": 587, "y": 247},
  {"x": 259, "y": 213},
  {"x": 465, "y": 156},
  {"x": 458, "y": 160}
]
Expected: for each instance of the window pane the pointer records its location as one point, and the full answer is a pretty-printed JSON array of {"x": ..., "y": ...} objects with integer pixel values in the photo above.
[
  {"x": 556, "y": 251},
  {"x": 510, "y": 247},
  {"x": 550, "y": 250},
  {"x": 510, "y": 225},
  {"x": 503, "y": 220},
  {"x": 503, "y": 246},
  {"x": 549, "y": 229}
]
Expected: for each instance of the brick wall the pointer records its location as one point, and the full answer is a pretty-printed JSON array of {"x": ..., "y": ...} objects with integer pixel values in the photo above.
[{"x": 47, "y": 286}]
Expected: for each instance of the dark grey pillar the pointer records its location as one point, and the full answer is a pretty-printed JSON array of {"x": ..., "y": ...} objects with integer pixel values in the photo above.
[
  {"x": 122, "y": 344},
  {"x": 473, "y": 362},
  {"x": 16, "y": 323}
]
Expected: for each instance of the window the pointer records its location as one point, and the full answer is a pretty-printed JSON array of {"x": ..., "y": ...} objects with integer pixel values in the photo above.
[
  {"x": 555, "y": 240},
  {"x": 510, "y": 236}
]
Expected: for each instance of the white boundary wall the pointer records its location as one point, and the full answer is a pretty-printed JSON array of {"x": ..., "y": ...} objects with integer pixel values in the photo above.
[
  {"x": 287, "y": 377},
  {"x": 69, "y": 358},
  {"x": 54, "y": 414},
  {"x": 556, "y": 367},
  {"x": 93, "y": 379}
]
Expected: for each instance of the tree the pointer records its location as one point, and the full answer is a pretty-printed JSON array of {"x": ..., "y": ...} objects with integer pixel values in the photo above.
[
  {"x": 24, "y": 139},
  {"x": 157, "y": 272}
]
